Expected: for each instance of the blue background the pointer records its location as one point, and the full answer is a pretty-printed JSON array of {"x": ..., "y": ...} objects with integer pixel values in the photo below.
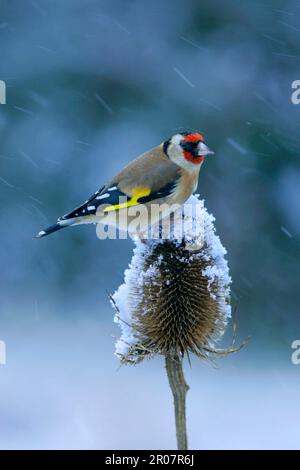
[{"x": 90, "y": 85}]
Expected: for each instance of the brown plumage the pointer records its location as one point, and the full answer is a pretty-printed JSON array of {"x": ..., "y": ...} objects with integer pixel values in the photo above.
[
  {"x": 165, "y": 175},
  {"x": 152, "y": 169}
]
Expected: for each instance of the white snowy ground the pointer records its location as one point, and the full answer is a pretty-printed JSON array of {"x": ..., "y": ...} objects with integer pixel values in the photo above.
[{"x": 61, "y": 389}]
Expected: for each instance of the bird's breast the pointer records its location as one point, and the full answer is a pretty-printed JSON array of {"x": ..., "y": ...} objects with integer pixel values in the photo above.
[{"x": 185, "y": 187}]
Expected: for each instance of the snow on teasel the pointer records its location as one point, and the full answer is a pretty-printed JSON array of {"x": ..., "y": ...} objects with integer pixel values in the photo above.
[{"x": 176, "y": 291}]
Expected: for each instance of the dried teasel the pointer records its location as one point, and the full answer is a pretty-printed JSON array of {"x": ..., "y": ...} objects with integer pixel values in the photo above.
[
  {"x": 175, "y": 299},
  {"x": 176, "y": 294}
]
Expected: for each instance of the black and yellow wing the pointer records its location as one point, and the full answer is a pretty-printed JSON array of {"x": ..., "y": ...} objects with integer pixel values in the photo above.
[{"x": 113, "y": 199}]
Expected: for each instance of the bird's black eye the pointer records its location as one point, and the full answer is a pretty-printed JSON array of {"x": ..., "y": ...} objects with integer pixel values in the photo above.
[{"x": 190, "y": 147}]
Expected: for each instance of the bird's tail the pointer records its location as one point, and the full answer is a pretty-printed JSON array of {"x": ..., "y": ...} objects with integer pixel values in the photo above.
[{"x": 53, "y": 228}]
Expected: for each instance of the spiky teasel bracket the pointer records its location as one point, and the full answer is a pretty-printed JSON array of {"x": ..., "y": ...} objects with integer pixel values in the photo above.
[
  {"x": 175, "y": 299},
  {"x": 176, "y": 294}
]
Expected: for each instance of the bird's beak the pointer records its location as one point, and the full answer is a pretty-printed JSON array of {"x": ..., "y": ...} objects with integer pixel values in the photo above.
[{"x": 203, "y": 150}]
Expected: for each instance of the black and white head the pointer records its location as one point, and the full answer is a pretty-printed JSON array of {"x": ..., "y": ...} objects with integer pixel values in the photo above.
[{"x": 187, "y": 149}]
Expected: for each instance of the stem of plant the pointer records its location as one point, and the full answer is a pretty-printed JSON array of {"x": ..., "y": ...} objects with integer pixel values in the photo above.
[{"x": 179, "y": 389}]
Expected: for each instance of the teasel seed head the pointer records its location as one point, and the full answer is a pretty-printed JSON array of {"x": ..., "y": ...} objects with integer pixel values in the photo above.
[{"x": 176, "y": 293}]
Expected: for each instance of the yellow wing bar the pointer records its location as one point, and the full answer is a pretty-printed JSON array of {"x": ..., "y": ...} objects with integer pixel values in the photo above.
[{"x": 137, "y": 193}]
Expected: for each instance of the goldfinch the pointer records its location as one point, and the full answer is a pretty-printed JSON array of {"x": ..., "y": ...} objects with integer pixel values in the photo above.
[{"x": 165, "y": 175}]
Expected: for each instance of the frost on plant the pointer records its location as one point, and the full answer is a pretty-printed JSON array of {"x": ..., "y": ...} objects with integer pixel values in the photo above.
[{"x": 176, "y": 292}]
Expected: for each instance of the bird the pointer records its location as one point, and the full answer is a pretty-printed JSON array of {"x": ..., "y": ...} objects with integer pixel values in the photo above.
[{"x": 165, "y": 175}]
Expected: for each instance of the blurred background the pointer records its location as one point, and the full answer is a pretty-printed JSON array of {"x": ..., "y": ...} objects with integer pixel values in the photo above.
[{"x": 90, "y": 85}]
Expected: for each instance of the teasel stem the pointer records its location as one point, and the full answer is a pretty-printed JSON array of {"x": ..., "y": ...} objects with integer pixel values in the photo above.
[{"x": 179, "y": 390}]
